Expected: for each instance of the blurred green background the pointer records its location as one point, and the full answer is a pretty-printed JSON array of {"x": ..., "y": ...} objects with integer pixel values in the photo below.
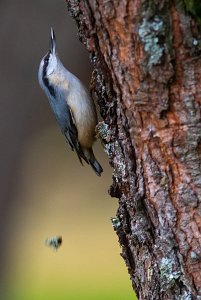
[{"x": 44, "y": 189}]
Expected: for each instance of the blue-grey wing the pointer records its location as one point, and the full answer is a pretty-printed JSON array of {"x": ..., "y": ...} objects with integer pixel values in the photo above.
[
  {"x": 66, "y": 122},
  {"x": 71, "y": 135}
]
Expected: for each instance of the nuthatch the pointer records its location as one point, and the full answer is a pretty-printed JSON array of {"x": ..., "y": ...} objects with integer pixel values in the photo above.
[{"x": 72, "y": 105}]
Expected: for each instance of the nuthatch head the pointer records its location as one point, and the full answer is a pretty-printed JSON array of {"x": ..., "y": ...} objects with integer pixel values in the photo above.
[{"x": 72, "y": 105}]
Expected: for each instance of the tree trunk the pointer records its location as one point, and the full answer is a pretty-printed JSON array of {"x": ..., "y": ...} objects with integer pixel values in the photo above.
[{"x": 147, "y": 76}]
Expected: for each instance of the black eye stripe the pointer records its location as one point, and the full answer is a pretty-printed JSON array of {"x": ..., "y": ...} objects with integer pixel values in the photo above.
[
  {"x": 46, "y": 59},
  {"x": 45, "y": 78}
]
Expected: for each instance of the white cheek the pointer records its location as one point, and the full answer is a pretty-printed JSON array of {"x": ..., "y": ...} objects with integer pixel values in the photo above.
[{"x": 50, "y": 70}]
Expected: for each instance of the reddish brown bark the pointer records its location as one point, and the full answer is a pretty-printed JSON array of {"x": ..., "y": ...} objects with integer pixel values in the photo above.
[{"x": 147, "y": 69}]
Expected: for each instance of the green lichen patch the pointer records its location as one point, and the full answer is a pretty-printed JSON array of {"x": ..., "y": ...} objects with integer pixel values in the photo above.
[
  {"x": 102, "y": 131},
  {"x": 116, "y": 224},
  {"x": 168, "y": 274},
  {"x": 150, "y": 32},
  {"x": 105, "y": 135}
]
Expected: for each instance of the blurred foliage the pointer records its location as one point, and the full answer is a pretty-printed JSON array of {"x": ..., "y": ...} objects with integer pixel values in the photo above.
[
  {"x": 57, "y": 196},
  {"x": 78, "y": 294},
  {"x": 194, "y": 7}
]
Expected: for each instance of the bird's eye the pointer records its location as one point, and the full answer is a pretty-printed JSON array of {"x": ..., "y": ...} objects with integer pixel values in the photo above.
[{"x": 46, "y": 59}]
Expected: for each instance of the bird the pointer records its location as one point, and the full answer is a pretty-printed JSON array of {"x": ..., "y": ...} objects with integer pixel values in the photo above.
[{"x": 70, "y": 101}]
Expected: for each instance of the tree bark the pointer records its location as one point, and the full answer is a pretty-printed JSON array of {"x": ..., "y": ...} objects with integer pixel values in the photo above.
[{"x": 147, "y": 76}]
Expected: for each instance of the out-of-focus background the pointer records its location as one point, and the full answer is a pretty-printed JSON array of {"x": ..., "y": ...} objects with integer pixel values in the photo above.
[{"x": 44, "y": 189}]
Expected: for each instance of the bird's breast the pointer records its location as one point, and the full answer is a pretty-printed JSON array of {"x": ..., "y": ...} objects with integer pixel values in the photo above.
[
  {"x": 58, "y": 81},
  {"x": 85, "y": 117}
]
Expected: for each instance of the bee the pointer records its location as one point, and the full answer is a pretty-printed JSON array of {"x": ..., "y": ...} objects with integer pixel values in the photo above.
[{"x": 54, "y": 242}]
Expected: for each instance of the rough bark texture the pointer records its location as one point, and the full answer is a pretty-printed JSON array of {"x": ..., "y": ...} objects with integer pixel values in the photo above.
[{"x": 147, "y": 75}]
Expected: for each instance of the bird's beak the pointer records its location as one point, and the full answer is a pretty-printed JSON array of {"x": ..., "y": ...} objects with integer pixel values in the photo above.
[{"x": 52, "y": 42}]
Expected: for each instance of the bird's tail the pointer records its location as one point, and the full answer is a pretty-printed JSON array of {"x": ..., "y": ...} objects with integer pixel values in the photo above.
[
  {"x": 90, "y": 158},
  {"x": 96, "y": 167}
]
